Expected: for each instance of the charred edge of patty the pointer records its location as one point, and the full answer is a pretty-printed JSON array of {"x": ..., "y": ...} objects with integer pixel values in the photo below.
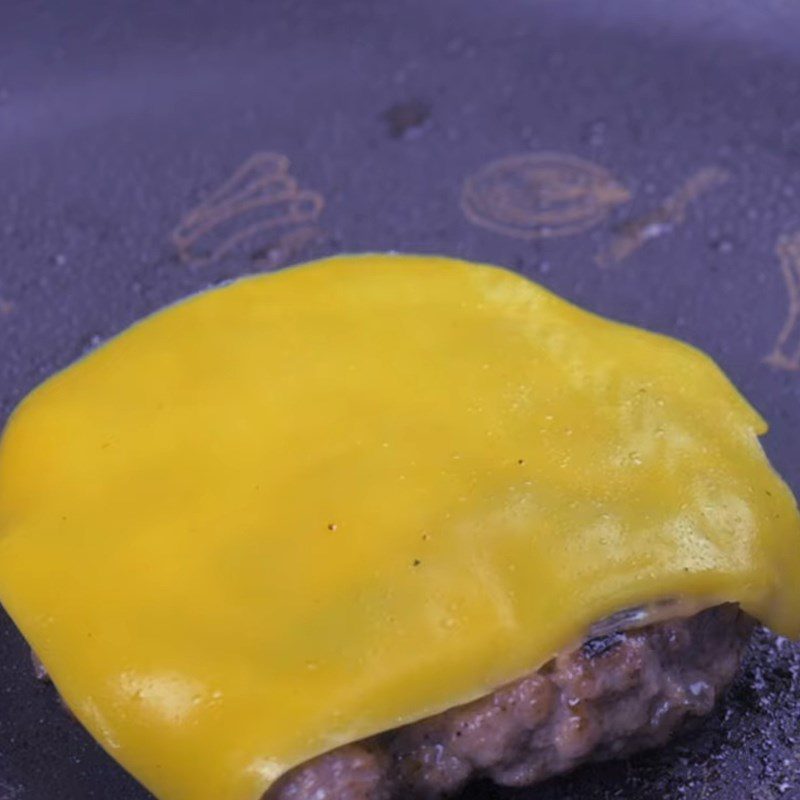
[{"x": 619, "y": 692}]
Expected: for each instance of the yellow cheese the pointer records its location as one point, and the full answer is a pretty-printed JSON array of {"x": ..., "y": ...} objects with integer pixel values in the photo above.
[{"x": 309, "y": 506}]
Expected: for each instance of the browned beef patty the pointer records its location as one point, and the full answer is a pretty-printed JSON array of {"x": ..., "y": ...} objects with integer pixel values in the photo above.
[{"x": 618, "y": 693}]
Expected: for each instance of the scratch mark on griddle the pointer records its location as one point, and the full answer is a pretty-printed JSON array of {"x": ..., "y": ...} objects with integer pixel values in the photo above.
[
  {"x": 257, "y": 209},
  {"x": 786, "y": 353},
  {"x": 669, "y": 215}
]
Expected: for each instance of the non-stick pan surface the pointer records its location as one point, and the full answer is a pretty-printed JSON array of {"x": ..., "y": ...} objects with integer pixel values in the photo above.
[{"x": 641, "y": 158}]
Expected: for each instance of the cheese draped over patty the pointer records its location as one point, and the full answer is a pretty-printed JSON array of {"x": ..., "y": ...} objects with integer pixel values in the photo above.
[{"x": 310, "y": 506}]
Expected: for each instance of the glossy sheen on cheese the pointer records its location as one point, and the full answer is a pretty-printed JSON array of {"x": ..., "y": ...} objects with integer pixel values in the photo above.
[{"x": 291, "y": 512}]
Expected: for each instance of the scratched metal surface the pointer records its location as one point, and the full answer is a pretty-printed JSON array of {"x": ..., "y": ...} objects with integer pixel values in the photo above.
[{"x": 382, "y": 124}]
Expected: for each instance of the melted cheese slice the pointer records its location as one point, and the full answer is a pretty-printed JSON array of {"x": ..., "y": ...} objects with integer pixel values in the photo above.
[{"x": 310, "y": 506}]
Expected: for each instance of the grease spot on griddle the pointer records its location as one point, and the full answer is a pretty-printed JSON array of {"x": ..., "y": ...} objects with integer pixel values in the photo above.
[
  {"x": 406, "y": 119},
  {"x": 10, "y": 791}
]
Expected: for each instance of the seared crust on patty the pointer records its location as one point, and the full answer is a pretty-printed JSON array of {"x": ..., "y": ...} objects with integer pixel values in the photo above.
[{"x": 616, "y": 694}]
